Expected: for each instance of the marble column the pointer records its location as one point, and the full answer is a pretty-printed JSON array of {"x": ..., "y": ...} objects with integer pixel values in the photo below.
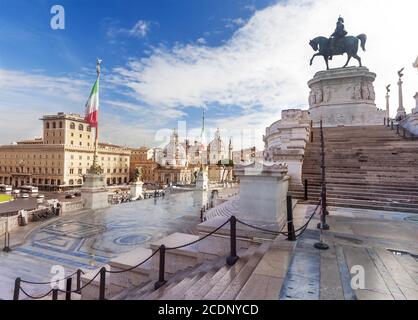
[
  {"x": 401, "y": 113},
  {"x": 387, "y": 105},
  {"x": 415, "y": 110}
]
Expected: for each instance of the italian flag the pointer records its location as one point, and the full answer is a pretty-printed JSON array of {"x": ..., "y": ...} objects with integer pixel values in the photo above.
[{"x": 92, "y": 106}]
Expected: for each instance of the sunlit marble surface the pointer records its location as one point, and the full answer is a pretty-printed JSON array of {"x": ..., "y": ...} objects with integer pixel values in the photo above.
[{"x": 89, "y": 240}]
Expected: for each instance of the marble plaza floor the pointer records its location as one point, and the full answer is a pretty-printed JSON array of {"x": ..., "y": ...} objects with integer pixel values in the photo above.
[
  {"x": 384, "y": 244},
  {"x": 90, "y": 239}
]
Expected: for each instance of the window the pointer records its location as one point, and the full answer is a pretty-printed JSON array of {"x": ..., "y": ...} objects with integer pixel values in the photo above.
[
  {"x": 72, "y": 142},
  {"x": 71, "y": 172},
  {"x": 89, "y": 129},
  {"x": 80, "y": 127},
  {"x": 80, "y": 143},
  {"x": 54, "y": 125},
  {"x": 71, "y": 182},
  {"x": 80, "y": 171},
  {"x": 72, "y": 157},
  {"x": 81, "y": 135},
  {"x": 60, "y": 124},
  {"x": 80, "y": 157},
  {"x": 72, "y": 125},
  {"x": 47, "y": 125}
]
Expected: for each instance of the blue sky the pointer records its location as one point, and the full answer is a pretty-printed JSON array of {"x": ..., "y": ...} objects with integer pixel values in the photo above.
[{"x": 163, "y": 60}]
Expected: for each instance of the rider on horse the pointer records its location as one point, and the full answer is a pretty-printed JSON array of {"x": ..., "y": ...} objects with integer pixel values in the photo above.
[{"x": 338, "y": 34}]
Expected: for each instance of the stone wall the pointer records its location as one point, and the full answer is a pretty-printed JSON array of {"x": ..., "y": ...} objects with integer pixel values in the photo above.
[
  {"x": 67, "y": 207},
  {"x": 285, "y": 141}
]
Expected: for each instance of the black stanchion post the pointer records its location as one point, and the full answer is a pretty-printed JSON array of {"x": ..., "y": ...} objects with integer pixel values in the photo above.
[
  {"x": 68, "y": 289},
  {"x": 306, "y": 190},
  {"x": 79, "y": 281},
  {"x": 384, "y": 122},
  {"x": 291, "y": 236},
  {"x": 404, "y": 132},
  {"x": 54, "y": 294},
  {"x": 391, "y": 125},
  {"x": 102, "y": 287},
  {"x": 233, "y": 238},
  {"x": 17, "y": 289},
  {"x": 161, "y": 272},
  {"x": 397, "y": 129}
]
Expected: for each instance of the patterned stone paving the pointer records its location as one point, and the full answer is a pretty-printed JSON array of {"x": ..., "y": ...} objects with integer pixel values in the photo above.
[{"x": 91, "y": 239}]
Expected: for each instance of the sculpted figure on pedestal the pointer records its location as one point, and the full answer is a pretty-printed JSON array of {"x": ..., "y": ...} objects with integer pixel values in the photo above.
[
  {"x": 318, "y": 95},
  {"x": 372, "y": 94},
  {"x": 327, "y": 94},
  {"x": 312, "y": 99},
  {"x": 357, "y": 92},
  {"x": 365, "y": 91}
]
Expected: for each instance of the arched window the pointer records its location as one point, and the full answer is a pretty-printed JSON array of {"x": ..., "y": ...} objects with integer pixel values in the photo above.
[
  {"x": 80, "y": 181},
  {"x": 47, "y": 125},
  {"x": 71, "y": 182},
  {"x": 72, "y": 125},
  {"x": 80, "y": 127}
]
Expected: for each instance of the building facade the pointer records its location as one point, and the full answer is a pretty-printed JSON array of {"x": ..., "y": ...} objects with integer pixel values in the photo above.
[{"x": 61, "y": 158}]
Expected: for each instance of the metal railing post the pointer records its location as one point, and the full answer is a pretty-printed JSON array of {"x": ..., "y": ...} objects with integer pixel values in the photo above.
[
  {"x": 233, "y": 238},
  {"x": 54, "y": 294},
  {"x": 79, "y": 281},
  {"x": 391, "y": 125},
  {"x": 397, "y": 129},
  {"x": 68, "y": 289},
  {"x": 291, "y": 236},
  {"x": 404, "y": 132},
  {"x": 161, "y": 272},
  {"x": 102, "y": 287},
  {"x": 384, "y": 121},
  {"x": 17, "y": 289},
  {"x": 306, "y": 190}
]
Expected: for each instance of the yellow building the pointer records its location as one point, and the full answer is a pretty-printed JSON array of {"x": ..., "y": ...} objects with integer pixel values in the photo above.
[{"x": 61, "y": 158}]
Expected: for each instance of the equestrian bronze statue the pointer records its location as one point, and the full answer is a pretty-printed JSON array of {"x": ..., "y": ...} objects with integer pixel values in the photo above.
[{"x": 338, "y": 44}]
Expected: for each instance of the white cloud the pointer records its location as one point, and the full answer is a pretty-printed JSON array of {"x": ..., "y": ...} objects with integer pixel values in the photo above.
[
  {"x": 140, "y": 29},
  {"x": 266, "y": 62}
]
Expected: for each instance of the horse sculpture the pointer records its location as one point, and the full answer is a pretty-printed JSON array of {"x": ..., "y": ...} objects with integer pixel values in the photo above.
[{"x": 348, "y": 45}]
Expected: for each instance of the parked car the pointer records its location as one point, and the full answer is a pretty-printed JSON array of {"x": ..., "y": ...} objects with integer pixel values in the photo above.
[
  {"x": 25, "y": 195},
  {"x": 40, "y": 196},
  {"x": 69, "y": 196},
  {"x": 77, "y": 194},
  {"x": 16, "y": 191}
]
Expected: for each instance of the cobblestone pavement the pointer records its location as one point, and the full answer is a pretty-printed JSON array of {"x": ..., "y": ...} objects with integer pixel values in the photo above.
[{"x": 91, "y": 239}]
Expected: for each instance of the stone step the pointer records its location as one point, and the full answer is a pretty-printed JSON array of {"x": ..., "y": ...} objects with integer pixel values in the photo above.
[
  {"x": 221, "y": 274},
  {"x": 128, "y": 260},
  {"x": 386, "y": 197},
  {"x": 411, "y": 192},
  {"x": 221, "y": 285},
  {"x": 242, "y": 277}
]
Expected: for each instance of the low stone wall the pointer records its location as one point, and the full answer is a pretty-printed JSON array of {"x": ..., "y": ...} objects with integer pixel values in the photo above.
[
  {"x": 13, "y": 223},
  {"x": 67, "y": 207}
]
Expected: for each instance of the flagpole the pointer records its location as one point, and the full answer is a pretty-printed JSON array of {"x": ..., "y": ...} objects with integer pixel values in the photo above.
[{"x": 96, "y": 140}]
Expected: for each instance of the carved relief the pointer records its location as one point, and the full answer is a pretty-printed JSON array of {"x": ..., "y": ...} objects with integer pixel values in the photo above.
[
  {"x": 372, "y": 94},
  {"x": 312, "y": 99},
  {"x": 327, "y": 94},
  {"x": 365, "y": 91},
  {"x": 357, "y": 92},
  {"x": 318, "y": 95}
]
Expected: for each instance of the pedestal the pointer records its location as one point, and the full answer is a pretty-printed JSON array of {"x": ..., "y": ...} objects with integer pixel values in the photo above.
[
  {"x": 202, "y": 181},
  {"x": 263, "y": 191},
  {"x": 344, "y": 97},
  {"x": 136, "y": 190},
  {"x": 94, "y": 193}
]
